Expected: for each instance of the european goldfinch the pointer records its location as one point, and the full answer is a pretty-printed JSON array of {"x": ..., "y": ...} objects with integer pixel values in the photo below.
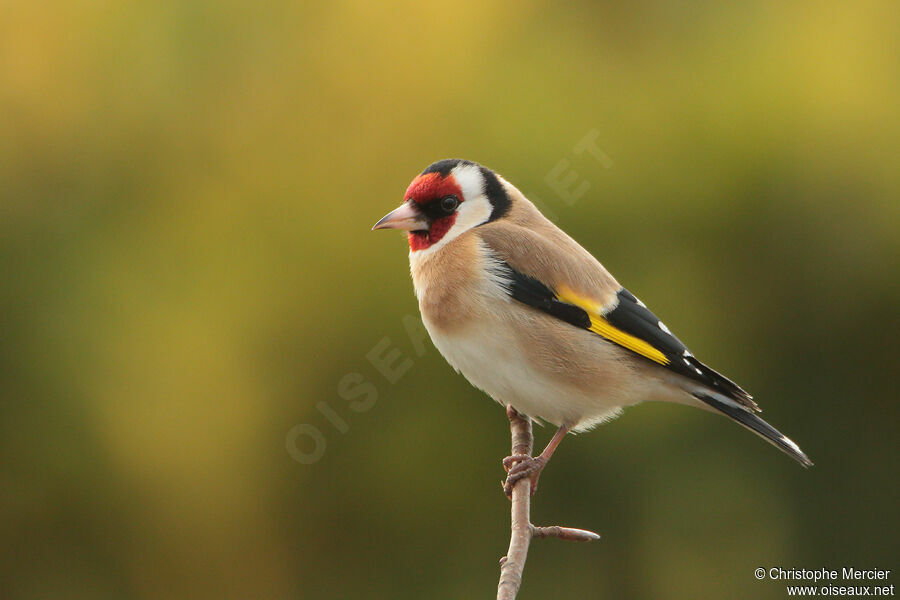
[{"x": 534, "y": 320}]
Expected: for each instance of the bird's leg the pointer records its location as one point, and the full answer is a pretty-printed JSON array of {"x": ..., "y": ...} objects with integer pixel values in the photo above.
[{"x": 520, "y": 466}]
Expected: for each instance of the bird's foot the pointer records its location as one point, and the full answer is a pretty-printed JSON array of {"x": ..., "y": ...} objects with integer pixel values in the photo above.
[
  {"x": 522, "y": 466},
  {"x": 510, "y": 461}
]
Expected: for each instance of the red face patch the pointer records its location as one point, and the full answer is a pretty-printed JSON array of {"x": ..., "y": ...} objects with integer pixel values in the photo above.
[
  {"x": 432, "y": 186},
  {"x": 420, "y": 240},
  {"x": 428, "y": 188}
]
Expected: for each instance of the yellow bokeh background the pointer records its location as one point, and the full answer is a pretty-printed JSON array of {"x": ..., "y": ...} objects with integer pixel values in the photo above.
[{"x": 186, "y": 192}]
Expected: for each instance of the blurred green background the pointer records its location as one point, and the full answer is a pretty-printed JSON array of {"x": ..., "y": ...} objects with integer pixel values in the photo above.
[{"x": 188, "y": 275}]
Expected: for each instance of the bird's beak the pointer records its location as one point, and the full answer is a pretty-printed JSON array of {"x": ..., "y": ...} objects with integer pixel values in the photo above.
[{"x": 406, "y": 216}]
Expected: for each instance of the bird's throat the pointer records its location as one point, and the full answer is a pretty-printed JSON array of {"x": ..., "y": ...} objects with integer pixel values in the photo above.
[{"x": 422, "y": 240}]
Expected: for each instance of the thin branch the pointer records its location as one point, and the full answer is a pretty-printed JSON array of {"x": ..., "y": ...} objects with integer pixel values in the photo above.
[
  {"x": 564, "y": 533},
  {"x": 513, "y": 564},
  {"x": 520, "y": 510}
]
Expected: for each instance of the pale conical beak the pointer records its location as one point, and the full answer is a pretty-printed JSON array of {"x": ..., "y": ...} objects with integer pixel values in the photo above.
[{"x": 406, "y": 216}]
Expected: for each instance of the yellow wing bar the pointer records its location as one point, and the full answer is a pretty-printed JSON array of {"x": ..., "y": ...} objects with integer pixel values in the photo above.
[{"x": 604, "y": 328}]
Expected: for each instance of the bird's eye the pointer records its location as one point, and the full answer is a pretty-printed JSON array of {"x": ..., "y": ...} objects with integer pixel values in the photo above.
[{"x": 449, "y": 204}]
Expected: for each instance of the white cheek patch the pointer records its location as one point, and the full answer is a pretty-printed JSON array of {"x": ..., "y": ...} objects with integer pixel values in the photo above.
[
  {"x": 472, "y": 213},
  {"x": 470, "y": 181}
]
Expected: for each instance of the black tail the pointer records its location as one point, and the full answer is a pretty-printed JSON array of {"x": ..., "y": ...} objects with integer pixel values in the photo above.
[{"x": 757, "y": 426}]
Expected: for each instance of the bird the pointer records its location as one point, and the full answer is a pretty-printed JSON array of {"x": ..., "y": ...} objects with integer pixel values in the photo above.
[{"x": 531, "y": 318}]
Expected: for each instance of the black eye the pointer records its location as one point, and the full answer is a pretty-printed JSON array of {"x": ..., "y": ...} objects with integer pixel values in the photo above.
[{"x": 449, "y": 204}]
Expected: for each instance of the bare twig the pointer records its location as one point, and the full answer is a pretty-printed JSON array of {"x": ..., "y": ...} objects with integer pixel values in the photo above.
[
  {"x": 513, "y": 564},
  {"x": 564, "y": 533},
  {"x": 520, "y": 538}
]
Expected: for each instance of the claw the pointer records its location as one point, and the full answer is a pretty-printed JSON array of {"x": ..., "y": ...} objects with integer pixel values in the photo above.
[
  {"x": 528, "y": 467},
  {"x": 510, "y": 461}
]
